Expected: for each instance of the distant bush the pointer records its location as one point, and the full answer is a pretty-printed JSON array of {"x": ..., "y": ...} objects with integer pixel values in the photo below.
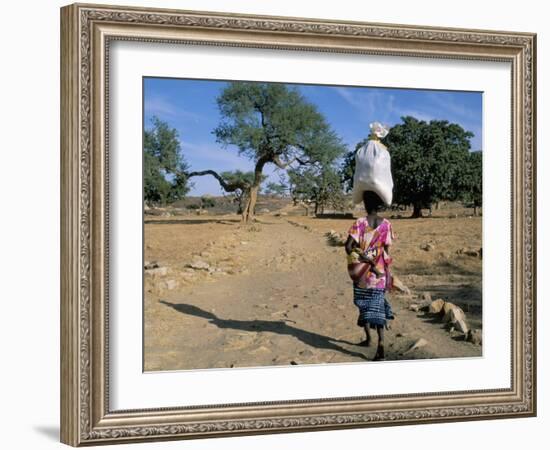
[{"x": 208, "y": 202}]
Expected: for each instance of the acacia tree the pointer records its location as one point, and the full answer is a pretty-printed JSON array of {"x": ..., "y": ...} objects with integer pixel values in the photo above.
[
  {"x": 429, "y": 162},
  {"x": 318, "y": 185},
  {"x": 271, "y": 124},
  {"x": 164, "y": 175}
]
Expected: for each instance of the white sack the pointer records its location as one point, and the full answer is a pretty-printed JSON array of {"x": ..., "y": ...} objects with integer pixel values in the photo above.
[{"x": 373, "y": 172}]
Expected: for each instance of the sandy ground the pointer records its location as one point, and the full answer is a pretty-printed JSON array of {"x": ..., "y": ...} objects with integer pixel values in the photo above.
[{"x": 276, "y": 292}]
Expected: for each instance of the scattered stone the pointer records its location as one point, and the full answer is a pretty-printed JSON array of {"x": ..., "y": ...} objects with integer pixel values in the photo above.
[
  {"x": 436, "y": 306},
  {"x": 293, "y": 363},
  {"x": 170, "y": 284},
  {"x": 158, "y": 271},
  {"x": 452, "y": 313},
  {"x": 426, "y": 297},
  {"x": 414, "y": 308},
  {"x": 199, "y": 264},
  {"x": 307, "y": 353},
  {"x": 474, "y": 336},
  {"x": 469, "y": 252},
  {"x": 264, "y": 211},
  {"x": 427, "y": 247},
  {"x": 244, "y": 242},
  {"x": 461, "y": 326},
  {"x": 335, "y": 238},
  {"x": 418, "y": 344},
  {"x": 148, "y": 265}
]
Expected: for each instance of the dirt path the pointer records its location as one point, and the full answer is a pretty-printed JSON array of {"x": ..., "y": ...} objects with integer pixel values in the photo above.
[{"x": 271, "y": 293}]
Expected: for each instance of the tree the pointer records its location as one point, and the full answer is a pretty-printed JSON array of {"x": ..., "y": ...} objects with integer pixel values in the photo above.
[
  {"x": 473, "y": 181},
  {"x": 429, "y": 162},
  {"x": 271, "y": 124},
  {"x": 164, "y": 167},
  {"x": 242, "y": 182},
  {"x": 318, "y": 185},
  {"x": 277, "y": 189}
]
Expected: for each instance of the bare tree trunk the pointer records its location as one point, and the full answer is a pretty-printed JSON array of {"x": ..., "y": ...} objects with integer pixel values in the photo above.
[
  {"x": 417, "y": 211},
  {"x": 248, "y": 211}
]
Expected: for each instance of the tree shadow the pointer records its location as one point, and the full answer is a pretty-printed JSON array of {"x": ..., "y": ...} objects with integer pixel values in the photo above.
[{"x": 279, "y": 327}]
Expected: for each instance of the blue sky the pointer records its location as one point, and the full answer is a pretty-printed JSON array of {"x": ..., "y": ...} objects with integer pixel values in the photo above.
[{"x": 190, "y": 107}]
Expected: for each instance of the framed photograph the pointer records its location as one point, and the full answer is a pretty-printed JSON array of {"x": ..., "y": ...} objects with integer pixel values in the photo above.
[{"x": 276, "y": 224}]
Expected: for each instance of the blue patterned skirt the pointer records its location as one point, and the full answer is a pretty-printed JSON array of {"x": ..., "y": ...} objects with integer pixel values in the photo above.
[{"x": 374, "y": 309}]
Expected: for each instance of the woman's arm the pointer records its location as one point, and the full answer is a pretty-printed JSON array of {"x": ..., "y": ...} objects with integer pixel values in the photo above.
[{"x": 350, "y": 245}]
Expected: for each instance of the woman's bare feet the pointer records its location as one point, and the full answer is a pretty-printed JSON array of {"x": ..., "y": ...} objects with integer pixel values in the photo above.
[
  {"x": 365, "y": 343},
  {"x": 379, "y": 353}
]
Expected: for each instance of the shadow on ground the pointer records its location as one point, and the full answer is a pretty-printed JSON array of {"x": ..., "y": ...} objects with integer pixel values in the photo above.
[{"x": 279, "y": 327}]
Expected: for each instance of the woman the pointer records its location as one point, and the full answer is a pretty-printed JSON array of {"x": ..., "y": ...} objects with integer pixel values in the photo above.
[{"x": 367, "y": 247}]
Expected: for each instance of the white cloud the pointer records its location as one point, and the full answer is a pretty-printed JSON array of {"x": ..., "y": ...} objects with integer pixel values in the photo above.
[
  {"x": 372, "y": 104},
  {"x": 159, "y": 106}
]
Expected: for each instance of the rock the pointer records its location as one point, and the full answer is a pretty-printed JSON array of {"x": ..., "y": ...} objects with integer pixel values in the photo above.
[
  {"x": 158, "y": 271},
  {"x": 414, "y": 308},
  {"x": 170, "y": 284},
  {"x": 436, "y": 306},
  {"x": 426, "y": 297},
  {"x": 264, "y": 211},
  {"x": 307, "y": 353},
  {"x": 475, "y": 337},
  {"x": 148, "y": 265},
  {"x": 418, "y": 344},
  {"x": 199, "y": 264},
  {"x": 461, "y": 326},
  {"x": 400, "y": 286},
  {"x": 244, "y": 242},
  {"x": 452, "y": 313},
  {"x": 469, "y": 252},
  {"x": 427, "y": 247}
]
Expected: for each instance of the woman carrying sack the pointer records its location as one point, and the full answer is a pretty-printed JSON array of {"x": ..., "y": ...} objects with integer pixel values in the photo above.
[{"x": 369, "y": 240}]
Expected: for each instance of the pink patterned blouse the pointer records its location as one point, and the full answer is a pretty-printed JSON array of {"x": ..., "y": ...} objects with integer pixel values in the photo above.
[{"x": 371, "y": 242}]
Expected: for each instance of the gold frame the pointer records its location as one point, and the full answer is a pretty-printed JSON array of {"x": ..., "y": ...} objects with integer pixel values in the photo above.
[{"x": 86, "y": 31}]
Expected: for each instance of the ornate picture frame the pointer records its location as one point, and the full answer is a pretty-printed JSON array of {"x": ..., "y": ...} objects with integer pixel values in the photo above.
[{"x": 87, "y": 32}]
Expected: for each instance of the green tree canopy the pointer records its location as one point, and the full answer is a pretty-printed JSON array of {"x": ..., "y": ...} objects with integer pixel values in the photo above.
[
  {"x": 272, "y": 123},
  {"x": 473, "y": 181},
  {"x": 317, "y": 184},
  {"x": 164, "y": 169},
  {"x": 277, "y": 189},
  {"x": 429, "y": 161}
]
